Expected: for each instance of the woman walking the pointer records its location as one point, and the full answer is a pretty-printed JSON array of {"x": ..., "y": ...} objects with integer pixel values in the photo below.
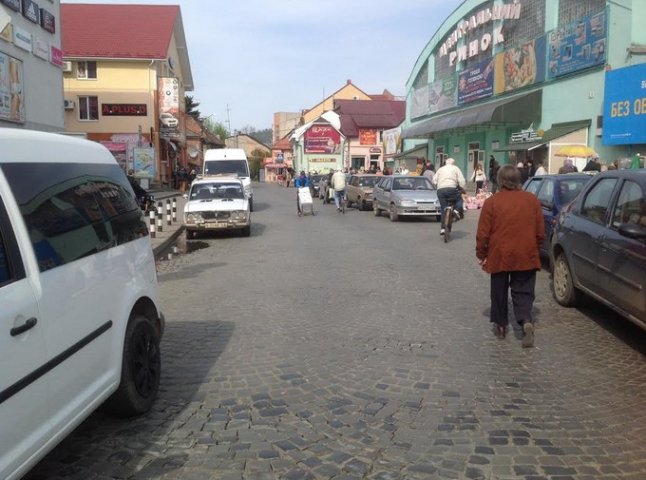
[
  {"x": 479, "y": 177},
  {"x": 510, "y": 233}
]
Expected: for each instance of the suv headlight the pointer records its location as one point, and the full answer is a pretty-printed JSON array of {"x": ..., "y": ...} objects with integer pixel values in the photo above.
[
  {"x": 247, "y": 190},
  {"x": 193, "y": 217}
]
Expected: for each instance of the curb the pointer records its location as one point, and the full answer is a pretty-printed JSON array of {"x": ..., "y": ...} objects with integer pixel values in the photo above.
[{"x": 163, "y": 246}]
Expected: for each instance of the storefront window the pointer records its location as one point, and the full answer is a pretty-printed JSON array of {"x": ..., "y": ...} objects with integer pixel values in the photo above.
[{"x": 572, "y": 10}]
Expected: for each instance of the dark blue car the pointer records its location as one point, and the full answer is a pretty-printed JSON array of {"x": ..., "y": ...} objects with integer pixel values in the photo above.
[{"x": 554, "y": 192}]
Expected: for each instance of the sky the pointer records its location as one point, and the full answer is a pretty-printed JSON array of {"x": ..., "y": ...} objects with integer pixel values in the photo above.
[{"x": 252, "y": 58}]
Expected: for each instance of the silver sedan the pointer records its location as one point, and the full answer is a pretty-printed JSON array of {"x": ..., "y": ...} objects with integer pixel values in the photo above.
[{"x": 406, "y": 195}]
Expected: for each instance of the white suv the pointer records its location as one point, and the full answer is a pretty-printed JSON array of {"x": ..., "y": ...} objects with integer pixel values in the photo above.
[{"x": 79, "y": 310}]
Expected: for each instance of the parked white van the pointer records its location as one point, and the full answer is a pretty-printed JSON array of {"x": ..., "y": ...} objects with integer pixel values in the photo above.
[
  {"x": 229, "y": 161},
  {"x": 80, "y": 322}
]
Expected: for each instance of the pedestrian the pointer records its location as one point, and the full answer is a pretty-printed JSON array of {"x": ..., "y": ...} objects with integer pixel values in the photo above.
[
  {"x": 510, "y": 233},
  {"x": 524, "y": 172},
  {"x": 479, "y": 177},
  {"x": 302, "y": 181},
  {"x": 493, "y": 173},
  {"x": 540, "y": 169},
  {"x": 429, "y": 171},
  {"x": 593, "y": 165},
  {"x": 568, "y": 166}
]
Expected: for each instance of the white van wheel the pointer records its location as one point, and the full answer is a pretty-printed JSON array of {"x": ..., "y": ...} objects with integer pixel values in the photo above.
[{"x": 140, "y": 370}]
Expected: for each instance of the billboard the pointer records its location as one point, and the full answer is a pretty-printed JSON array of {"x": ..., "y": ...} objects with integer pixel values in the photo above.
[
  {"x": 520, "y": 67},
  {"x": 12, "y": 97},
  {"x": 624, "y": 106},
  {"x": 322, "y": 139},
  {"x": 578, "y": 45},
  {"x": 476, "y": 83},
  {"x": 168, "y": 89}
]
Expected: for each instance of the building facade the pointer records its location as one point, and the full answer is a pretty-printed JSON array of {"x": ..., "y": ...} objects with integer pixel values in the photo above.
[
  {"x": 31, "y": 82},
  {"x": 520, "y": 79},
  {"x": 319, "y": 146},
  {"x": 126, "y": 71}
]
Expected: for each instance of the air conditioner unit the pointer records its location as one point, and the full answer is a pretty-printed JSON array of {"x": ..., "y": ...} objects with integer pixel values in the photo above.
[
  {"x": 69, "y": 104},
  {"x": 67, "y": 66}
]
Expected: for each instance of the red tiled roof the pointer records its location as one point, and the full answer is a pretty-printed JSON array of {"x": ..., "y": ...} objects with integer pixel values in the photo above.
[
  {"x": 282, "y": 144},
  {"x": 117, "y": 31},
  {"x": 374, "y": 114}
]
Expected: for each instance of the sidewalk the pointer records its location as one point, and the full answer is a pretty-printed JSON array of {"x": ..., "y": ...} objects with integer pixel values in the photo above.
[{"x": 164, "y": 239}]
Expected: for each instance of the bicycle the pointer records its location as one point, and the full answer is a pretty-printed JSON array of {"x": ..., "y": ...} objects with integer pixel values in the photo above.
[{"x": 449, "y": 213}]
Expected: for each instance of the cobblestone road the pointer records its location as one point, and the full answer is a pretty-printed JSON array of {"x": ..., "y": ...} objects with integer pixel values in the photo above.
[{"x": 348, "y": 347}]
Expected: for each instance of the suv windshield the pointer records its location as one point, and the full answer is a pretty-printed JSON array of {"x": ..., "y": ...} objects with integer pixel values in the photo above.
[
  {"x": 208, "y": 191},
  {"x": 221, "y": 167}
]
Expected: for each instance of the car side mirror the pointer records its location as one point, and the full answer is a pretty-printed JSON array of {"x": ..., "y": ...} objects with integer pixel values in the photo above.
[
  {"x": 632, "y": 230},
  {"x": 185, "y": 196}
]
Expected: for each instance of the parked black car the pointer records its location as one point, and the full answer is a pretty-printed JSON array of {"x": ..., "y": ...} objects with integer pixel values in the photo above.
[
  {"x": 599, "y": 245},
  {"x": 554, "y": 192},
  {"x": 145, "y": 200}
]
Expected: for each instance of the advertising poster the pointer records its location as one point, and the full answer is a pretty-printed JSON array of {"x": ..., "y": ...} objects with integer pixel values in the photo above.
[
  {"x": 419, "y": 106},
  {"x": 476, "y": 83},
  {"x": 6, "y": 27},
  {"x": 392, "y": 141},
  {"x": 443, "y": 94},
  {"x": 144, "y": 162},
  {"x": 168, "y": 89},
  {"x": 579, "y": 45},
  {"x": 520, "y": 67},
  {"x": 624, "y": 106},
  {"x": 367, "y": 137},
  {"x": 12, "y": 100},
  {"x": 322, "y": 139}
]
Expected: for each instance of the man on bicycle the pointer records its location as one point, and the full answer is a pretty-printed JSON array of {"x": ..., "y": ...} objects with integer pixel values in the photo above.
[
  {"x": 302, "y": 181},
  {"x": 450, "y": 183},
  {"x": 338, "y": 185}
]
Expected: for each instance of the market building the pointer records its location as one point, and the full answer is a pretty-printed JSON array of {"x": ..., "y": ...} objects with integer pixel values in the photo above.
[
  {"x": 520, "y": 79},
  {"x": 31, "y": 82},
  {"x": 126, "y": 70}
]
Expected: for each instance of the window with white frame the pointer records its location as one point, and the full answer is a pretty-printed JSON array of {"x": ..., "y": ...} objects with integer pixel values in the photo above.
[
  {"x": 88, "y": 108},
  {"x": 86, "y": 70}
]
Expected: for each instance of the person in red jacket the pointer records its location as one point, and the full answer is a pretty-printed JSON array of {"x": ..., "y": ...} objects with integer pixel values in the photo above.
[{"x": 510, "y": 233}]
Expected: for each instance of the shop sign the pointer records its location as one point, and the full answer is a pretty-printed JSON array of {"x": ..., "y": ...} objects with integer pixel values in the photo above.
[
  {"x": 321, "y": 160},
  {"x": 476, "y": 83},
  {"x": 168, "y": 95},
  {"x": 526, "y": 136},
  {"x": 124, "y": 109},
  {"x": 56, "y": 56},
  {"x": 47, "y": 21},
  {"x": 144, "y": 162},
  {"x": 21, "y": 38},
  {"x": 367, "y": 137},
  {"x": 322, "y": 139},
  {"x": 578, "y": 45},
  {"x": 375, "y": 150},
  {"x": 6, "y": 30},
  {"x": 624, "y": 108},
  {"x": 12, "y": 4},
  {"x": 474, "y": 47},
  {"x": 280, "y": 157},
  {"x": 392, "y": 141},
  {"x": 30, "y": 11},
  {"x": 40, "y": 48},
  {"x": 520, "y": 67}
]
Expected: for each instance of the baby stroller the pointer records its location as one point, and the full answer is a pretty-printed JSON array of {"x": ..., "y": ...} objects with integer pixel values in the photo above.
[{"x": 304, "y": 200}]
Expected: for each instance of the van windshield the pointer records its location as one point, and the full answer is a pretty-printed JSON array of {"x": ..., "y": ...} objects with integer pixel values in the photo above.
[{"x": 219, "y": 167}]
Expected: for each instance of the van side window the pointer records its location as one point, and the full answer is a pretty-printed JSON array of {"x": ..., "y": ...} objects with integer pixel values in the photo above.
[
  {"x": 11, "y": 267},
  {"x": 74, "y": 210}
]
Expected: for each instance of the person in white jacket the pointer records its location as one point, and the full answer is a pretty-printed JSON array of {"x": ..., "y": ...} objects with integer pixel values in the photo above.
[
  {"x": 449, "y": 182},
  {"x": 479, "y": 177}
]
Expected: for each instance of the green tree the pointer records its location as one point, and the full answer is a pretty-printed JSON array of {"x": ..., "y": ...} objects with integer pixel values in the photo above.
[
  {"x": 255, "y": 162},
  {"x": 190, "y": 106},
  {"x": 216, "y": 128}
]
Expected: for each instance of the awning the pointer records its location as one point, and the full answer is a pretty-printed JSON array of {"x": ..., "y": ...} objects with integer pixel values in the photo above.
[
  {"x": 558, "y": 130},
  {"x": 519, "y": 109},
  {"x": 418, "y": 151}
]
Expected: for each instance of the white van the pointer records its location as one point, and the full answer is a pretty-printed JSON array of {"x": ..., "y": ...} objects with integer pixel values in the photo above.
[
  {"x": 228, "y": 161},
  {"x": 79, "y": 311}
]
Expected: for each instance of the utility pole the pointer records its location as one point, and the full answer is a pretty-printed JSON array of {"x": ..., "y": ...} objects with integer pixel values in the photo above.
[{"x": 228, "y": 119}]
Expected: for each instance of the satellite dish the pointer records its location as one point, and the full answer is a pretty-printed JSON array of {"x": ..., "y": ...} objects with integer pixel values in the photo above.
[{"x": 193, "y": 152}]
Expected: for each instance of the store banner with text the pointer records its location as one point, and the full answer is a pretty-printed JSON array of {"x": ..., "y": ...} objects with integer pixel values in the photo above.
[
  {"x": 624, "y": 106},
  {"x": 12, "y": 98},
  {"x": 322, "y": 139}
]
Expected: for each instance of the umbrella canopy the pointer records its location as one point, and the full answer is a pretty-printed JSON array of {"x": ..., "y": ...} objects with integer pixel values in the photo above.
[{"x": 581, "y": 151}]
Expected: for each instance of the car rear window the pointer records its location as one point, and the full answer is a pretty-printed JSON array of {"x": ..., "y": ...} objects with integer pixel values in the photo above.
[{"x": 570, "y": 188}]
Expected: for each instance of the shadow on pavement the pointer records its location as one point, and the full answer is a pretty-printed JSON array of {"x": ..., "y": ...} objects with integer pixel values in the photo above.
[
  {"x": 260, "y": 207},
  {"x": 623, "y": 329},
  {"x": 107, "y": 447}
]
